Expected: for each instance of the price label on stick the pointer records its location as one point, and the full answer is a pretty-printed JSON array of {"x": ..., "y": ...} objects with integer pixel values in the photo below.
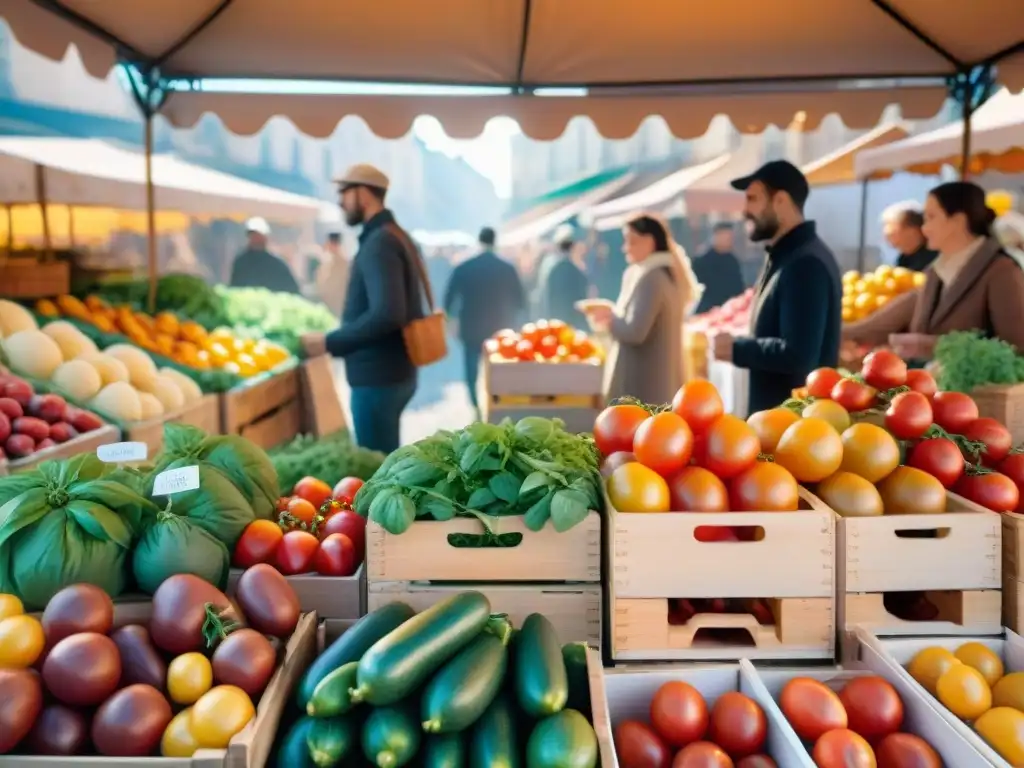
[
  {"x": 119, "y": 453},
  {"x": 176, "y": 481}
]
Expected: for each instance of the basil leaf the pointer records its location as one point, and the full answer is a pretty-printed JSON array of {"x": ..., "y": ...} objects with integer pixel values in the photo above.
[
  {"x": 568, "y": 508},
  {"x": 472, "y": 458},
  {"x": 533, "y": 481},
  {"x": 537, "y": 515},
  {"x": 439, "y": 509},
  {"x": 481, "y": 497},
  {"x": 505, "y": 486},
  {"x": 393, "y": 511}
]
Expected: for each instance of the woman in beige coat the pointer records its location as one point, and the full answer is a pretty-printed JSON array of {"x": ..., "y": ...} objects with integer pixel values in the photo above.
[{"x": 646, "y": 322}]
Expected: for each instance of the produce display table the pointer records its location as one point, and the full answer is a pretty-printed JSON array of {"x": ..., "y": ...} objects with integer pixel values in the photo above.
[
  {"x": 266, "y": 410},
  {"x": 733, "y": 385}
]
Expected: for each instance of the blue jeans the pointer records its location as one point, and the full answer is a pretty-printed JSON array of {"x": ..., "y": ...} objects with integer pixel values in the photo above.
[{"x": 377, "y": 413}]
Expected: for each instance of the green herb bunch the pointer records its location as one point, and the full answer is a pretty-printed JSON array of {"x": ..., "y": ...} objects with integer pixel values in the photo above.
[{"x": 968, "y": 360}]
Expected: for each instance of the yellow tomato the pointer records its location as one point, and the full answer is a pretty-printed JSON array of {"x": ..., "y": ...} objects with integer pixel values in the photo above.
[
  {"x": 219, "y": 354},
  {"x": 883, "y": 270},
  {"x": 769, "y": 426},
  {"x": 1009, "y": 691},
  {"x": 964, "y": 692},
  {"x": 850, "y": 495},
  {"x": 178, "y": 740},
  {"x": 849, "y": 314},
  {"x": 21, "y": 642},
  {"x": 881, "y": 300},
  {"x": 851, "y": 276},
  {"x": 275, "y": 355},
  {"x": 891, "y": 285},
  {"x": 636, "y": 488},
  {"x": 221, "y": 335},
  {"x": 220, "y": 714},
  {"x": 830, "y": 411},
  {"x": 870, "y": 452},
  {"x": 929, "y": 664},
  {"x": 1003, "y": 729},
  {"x": 848, "y": 300},
  {"x": 232, "y": 367},
  {"x": 189, "y": 676},
  {"x": 982, "y": 658},
  {"x": 10, "y": 606},
  {"x": 918, "y": 279},
  {"x": 810, "y": 449},
  {"x": 864, "y": 301},
  {"x": 246, "y": 365}
]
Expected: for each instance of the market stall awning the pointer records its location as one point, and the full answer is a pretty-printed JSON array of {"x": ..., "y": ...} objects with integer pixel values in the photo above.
[
  {"x": 88, "y": 172},
  {"x": 682, "y": 55},
  {"x": 997, "y": 144},
  {"x": 837, "y": 167}
]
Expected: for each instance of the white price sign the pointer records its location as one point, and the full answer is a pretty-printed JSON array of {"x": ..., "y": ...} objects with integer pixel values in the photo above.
[
  {"x": 176, "y": 481},
  {"x": 119, "y": 453}
]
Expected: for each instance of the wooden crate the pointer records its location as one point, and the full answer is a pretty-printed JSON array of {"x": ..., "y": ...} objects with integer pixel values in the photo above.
[
  {"x": 959, "y": 568},
  {"x": 1005, "y": 404},
  {"x": 330, "y": 597},
  {"x": 85, "y": 443},
  {"x": 321, "y": 404},
  {"x": 653, "y": 558},
  {"x": 1013, "y": 577},
  {"x": 203, "y": 413},
  {"x": 24, "y": 277},
  {"x": 574, "y": 609},
  {"x": 423, "y": 553},
  {"x": 514, "y": 379},
  {"x": 267, "y": 412}
]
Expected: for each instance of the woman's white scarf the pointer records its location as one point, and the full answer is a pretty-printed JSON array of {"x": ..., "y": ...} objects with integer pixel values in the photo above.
[{"x": 677, "y": 262}]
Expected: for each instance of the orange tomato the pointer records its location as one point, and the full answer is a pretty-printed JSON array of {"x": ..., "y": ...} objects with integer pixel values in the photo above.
[
  {"x": 699, "y": 403},
  {"x": 730, "y": 446},
  {"x": 909, "y": 491},
  {"x": 697, "y": 490},
  {"x": 769, "y": 426},
  {"x": 315, "y": 491},
  {"x": 664, "y": 443},
  {"x": 764, "y": 487},
  {"x": 810, "y": 449},
  {"x": 870, "y": 452},
  {"x": 842, "y": 747},
  {"x": 635, "y": 488},
  {"x": 850, "y": 495},
  {"x": 302, "y": 510}
]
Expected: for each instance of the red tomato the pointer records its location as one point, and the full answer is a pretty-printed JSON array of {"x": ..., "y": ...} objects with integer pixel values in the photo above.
[
  {"x": 492, "y": 347},
  {"x": 711, "y": 533},
  {"x": 507, "y": 347},
  {"x": 616, "y": 460},
  {"x": 347, "y": 488},
  {"x": 296, "y": 551},
  {"x": 757, "y": 761},
  {"x": 905, "y": 750},
  {"x": 738, "y": 725},
  {"x": 764, "y": 487},
  {"x": 702, "y": 754},
  {"x": 873, "y": 708},
  {"x": 853, "y": 395},
  {"x": 282, "y": 503},
  {"x": 909, "y": 416},
  {"x": 350, "y": 524},
  {"x": 1013, "y": 467},
  {"x": 695, "y": 489},
  {"x": 679, "y": 713},
  {"x": 699, "y": 403},
  {"x": 953, "y": 411},
  {"x": 530, "y": 333},
  {"x": 995, "y": 436},
  {"x": 548, "y": 346},
  {"x": 525, "y": 350},
  {"x": 842, "y": 748},
  {"x": 336, "y": 556},
  {"x": 302, "y": 511},
  {"x": 883, "y": 370},
  {"x": 820, "y": 382},
  {"x": 991, "y": 490},
  {"x": 637, "y": 746},
  {"x": 316, "y": 492},
  {"x": 731, "y": 446},
  {"x": 615, "y": 427},
  {"x": 257, "y": 544},
  {"x": 663, "y": 443},
  {"x": 811, "y": 707},
  {"x": 940, "y": 458},
  {"x": 919, "y": 380}
]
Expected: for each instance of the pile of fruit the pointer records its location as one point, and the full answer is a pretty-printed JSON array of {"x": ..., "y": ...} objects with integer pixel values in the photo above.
[
  {"x": 858, "y": 726},
  {"x": 732, "y": 317},
  {"x": 30, "y": 422},
  {"x": 868, "y": 292},
  {"x": 316, "y": 531},
  {"x": 685, "y": 733},
  {"x": 546, "y": 341},
  {"x": 183, "y": 341},
  {"x": 115, "y": 690},
  {"x": 973, "y": 685},
  {"x": 448, "y": 686}
]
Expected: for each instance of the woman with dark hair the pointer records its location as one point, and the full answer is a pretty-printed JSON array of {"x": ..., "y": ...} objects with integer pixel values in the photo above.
[
  {"x": 974, "y": 284},
  {"x": 646, "y": 322}
]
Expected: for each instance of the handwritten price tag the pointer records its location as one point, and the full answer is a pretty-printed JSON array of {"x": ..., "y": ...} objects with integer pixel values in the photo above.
[
  {"x": 176, "y": 481},
  {"x": 119, "y": 453}
]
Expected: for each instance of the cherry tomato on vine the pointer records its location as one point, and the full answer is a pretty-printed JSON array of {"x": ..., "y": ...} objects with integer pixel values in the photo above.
[
  {"x": 995, "y": 437},
  {"x": 820, "y": 382},
  {"x": 615, "y": 427},
  {"x": 940, "y": 458},
  {"x": 953, "y": 411},
  {"x": 347, "y": 488},
  {"x": 909, "y": 416},
  {"x": 919, "y": 380},
  {"x": 992, "y": 490},
  {"x": 884, "y": 370}
]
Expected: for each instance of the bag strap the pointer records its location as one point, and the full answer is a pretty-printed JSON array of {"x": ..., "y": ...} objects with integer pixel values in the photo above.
[{"x": 413, "y": 253}]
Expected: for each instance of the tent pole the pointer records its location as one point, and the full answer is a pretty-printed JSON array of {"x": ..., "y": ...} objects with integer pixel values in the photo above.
[
  {"x": 862, "y": 244},
  {"x": 41, "y": 201},
  {"x": 71, "y": 228},
  {"x": 151, "y": 242},
  {"x": 965, "y": 139}
]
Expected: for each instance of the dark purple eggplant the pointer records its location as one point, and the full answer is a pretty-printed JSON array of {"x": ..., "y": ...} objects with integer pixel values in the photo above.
[
  {"x": 140, "y": 660},
  {"x": 21, "y": 700},
  {"x": 246, "y": 659},
  {"x": 131, "y": 722},
  {"x": 82, "y": 670},
  {"x": 268, "y": 601},
  {"x": 59, "y": 730}
]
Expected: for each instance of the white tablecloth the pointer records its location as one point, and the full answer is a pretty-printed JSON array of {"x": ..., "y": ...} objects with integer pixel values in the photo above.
[{"x": 733, "y": 385}]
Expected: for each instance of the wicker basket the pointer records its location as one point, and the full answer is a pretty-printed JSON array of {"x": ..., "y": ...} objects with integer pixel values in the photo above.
[
  {"x": 1005, "y": 404},
  {"x": 30, "y": 277}
]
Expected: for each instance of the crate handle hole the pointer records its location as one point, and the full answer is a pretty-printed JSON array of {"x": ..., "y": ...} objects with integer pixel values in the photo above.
[
  {"x": 910, "y": 606},
  {"x": 922, "y": 533},
  {"x": 719, "y": 636},
  {"x": 713, "y": 534},
  {"x": 485, "y": 540}
]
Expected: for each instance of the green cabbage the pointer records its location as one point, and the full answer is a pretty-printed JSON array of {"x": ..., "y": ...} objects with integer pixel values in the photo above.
[
  {"x": 217, "y": 505},
  {"x": 173, "y": 544}
]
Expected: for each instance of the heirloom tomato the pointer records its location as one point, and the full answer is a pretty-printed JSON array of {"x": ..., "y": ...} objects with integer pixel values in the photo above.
[
  {"x": 810, "y": 449},
  {"x": 695, "y": 489},
  {"x": 919, "y": 380},
  {"x": 884, "y": 370},
  {"x": 730, "y": 446},
  {"x": 764, "y": 487},
  {"x": 953, "y": 411},
  {"x": 909, "y": 416},
  {"x": 664, "y": 443},
  {"x": 635, "y": 488},
  {"x": 940, "y": 458},
  {"x": 699, "y": 403},
  {"x": 615, "y": 427},
  {"x": 769, "y": 426}
]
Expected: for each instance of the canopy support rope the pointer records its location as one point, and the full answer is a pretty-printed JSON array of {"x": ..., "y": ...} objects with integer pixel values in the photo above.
[
  {"x": 193, "y": 33},
  {"x": 524, "y": 42},
  {"x": 909, "y": 26}
]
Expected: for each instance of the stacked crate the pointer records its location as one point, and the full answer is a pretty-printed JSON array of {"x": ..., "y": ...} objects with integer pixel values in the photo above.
[{"x": 567, "y": 391}]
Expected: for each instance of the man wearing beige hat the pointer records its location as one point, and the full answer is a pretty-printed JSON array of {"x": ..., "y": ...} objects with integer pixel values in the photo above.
[{"x": 384, "y": 295}]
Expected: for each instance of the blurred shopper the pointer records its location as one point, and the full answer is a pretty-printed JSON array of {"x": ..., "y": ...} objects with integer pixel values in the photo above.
[
  {"x": 646, "y": 321},
  {"x": 256, "y": 267},
  {"x": 484, "y": 295},
  {"x": 718, "y": 270},
  {"x": 562, "y": 282},
  {"x": 333, "y": 274},
  {"x": 901, "y": 225},
  {"x": 797, "y": 315},
  {"x": 974, "y": 284},
  {"x": 385, "y": 293}
]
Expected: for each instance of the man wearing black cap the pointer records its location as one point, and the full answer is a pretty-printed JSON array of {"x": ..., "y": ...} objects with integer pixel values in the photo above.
[
  {"x": 485, "y": 295},
  {"x": 797, "y": 316}
]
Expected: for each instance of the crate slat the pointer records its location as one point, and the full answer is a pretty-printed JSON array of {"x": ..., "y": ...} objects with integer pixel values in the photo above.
[
  {"x": 84, "y": 443},
  {"x": 524, "y": 378}
]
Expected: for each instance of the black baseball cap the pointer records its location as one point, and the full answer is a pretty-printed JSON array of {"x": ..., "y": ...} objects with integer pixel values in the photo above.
[{"x": 779, "y": 175}]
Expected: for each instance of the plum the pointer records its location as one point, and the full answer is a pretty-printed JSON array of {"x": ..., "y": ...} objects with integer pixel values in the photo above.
[
  {"x": 19, "y": 390},
  {"x": 49, "y": 408},
  {"x": 84, "y": 421},
  {"x": 11, "y": 408},
  {"x": 61, "y": 432},
  {"x": 35, "y": 428},
  {"x": 19, "y": 446}
]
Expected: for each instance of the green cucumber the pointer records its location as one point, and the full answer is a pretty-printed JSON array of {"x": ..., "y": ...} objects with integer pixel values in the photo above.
[
  {"x": 493, "y": 742},
  {"x": 293, "y": 751},
  {"x": 400, "y": 662},
  {"x": 563, "y": 740},
  {"x": 575, "y": 657},
  {"x": 541, "y": 681},
  {"x": 391, "y": 736},
  {"x": 330, "y": 697},
  {"x": 460, "y": 692},
  {"x": 330, "y": 739},
  {"x": 444, "y": 750},
  {"x": 351, "y": 646}
]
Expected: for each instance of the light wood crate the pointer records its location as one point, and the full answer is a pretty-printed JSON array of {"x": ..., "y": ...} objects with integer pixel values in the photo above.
[
  {"x": 423, "y": 553},
  {"x": 959, "y": 569},
  {"x": 1005, "y": 404},
  {"x": 655, "y": 557},
  {"x": 87, "y": 442},
  {"x": 523, "y": 379},
  {"x": 574, "y": 609},
  {"x": 330, "y": 597},
  {"x": 203, "y": 413},
  {"x": 1013, "y": 577},
  {"x": 268, "y": 412}
]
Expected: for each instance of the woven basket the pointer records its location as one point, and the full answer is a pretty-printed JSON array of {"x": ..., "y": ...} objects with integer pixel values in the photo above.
[
  {"x": 28, "y": 277},
  {"x": 1005, "y": 404}
]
